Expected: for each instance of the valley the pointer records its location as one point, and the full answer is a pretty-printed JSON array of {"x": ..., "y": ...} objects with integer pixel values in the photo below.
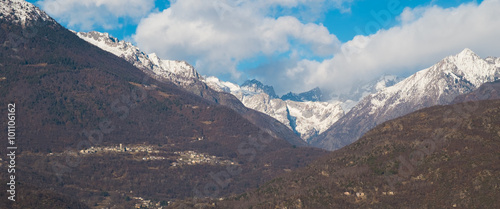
[{"x": 99, "y": 123}]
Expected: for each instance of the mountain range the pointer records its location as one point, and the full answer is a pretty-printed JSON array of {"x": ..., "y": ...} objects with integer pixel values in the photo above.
[
  {"x": 305, "y": 117},
  {"x": 307, "y": 114},
  {"x": 185, "y": 76},
  {"x": 437, "y": 85},
  {"x": 101, "y": 124},
  {"x": 345, "y": 117}
]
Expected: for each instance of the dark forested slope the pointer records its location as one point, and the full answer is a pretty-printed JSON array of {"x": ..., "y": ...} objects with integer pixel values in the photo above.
[{"x": 438, "y": 157}]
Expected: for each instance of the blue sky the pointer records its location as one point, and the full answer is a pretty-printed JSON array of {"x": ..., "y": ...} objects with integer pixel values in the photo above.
[{"x": 293, "y": 45}]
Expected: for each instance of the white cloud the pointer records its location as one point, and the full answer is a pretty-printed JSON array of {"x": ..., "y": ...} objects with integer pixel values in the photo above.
[
  {"x": 89, "y": 14},
  {"x": 424, "y": 36},
  {"x": 216, "y": 35}
]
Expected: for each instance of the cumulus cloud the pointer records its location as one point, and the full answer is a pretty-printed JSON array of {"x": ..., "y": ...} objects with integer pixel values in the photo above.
[
  {"x": 89, "y": 14},
  {"x": 217, "y": 35},
  {"x": 424, "y": 36}
]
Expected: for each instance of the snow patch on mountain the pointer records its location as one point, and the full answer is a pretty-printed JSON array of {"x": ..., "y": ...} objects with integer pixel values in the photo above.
[{"x": 20, "y": 11}]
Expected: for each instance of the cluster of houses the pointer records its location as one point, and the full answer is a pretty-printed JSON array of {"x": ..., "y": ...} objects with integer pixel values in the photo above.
[
  {"x": 193, "y": 158},
  {"x": 126, "y": 149},
  {"x": 120, "y": 148},
  {"x": 149, "y": 158},
  {"x": 142, "y": 203},
  {"x": 185, "y": 157}
]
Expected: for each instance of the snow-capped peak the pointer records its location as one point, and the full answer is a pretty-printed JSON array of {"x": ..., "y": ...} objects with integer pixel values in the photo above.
[
  {"x": 467, "y": 53},
  {"x": 20, "y": 11},
  {"x": 179, "y": 72},
  {"x": 465, "y": 57},
  {"x": 469, "y": 66}
]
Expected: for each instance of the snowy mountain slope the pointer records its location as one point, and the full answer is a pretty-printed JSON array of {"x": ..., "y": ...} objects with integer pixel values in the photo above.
[
  {"x": 20, "y": 11},
  {"x": 362, "y": 89},
  {"x": 313, "y": 118},
  {"x": 437, "y": 85},
  {"x": 179, "y": 72},
  {"x": 307, "y": 119}
]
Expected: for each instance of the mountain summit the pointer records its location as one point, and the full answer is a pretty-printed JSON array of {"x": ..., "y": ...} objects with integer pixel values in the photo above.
[{"x": 256, "y": 86}]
